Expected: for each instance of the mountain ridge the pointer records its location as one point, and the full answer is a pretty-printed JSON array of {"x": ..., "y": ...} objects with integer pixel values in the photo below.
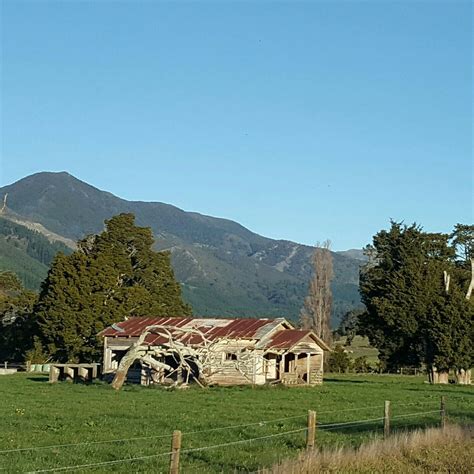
[{"x": 224, "y": 267}]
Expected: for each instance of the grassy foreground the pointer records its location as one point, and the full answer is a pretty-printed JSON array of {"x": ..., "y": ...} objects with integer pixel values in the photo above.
[
  {"x": 35, "y": 414},
  {"x": 419, "y": 451}
]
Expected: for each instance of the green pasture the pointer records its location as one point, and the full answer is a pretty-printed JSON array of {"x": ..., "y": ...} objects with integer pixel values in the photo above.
[
  {"x": 360, "y": 347},
  {"x": 35, "y": 414}
]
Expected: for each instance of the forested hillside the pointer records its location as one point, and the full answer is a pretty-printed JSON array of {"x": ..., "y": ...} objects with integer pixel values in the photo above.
[
  {"x": 225, "y": 269},
  {"x": 26, "y": 252}
]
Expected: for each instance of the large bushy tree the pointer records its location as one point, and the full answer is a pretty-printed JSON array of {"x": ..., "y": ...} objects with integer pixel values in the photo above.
[
  {"x": 110, "y": 277},
  {"x": 349, "y": 325},
  {"x": 16, "y": 326},
  {"x": 417, "y": 311}
]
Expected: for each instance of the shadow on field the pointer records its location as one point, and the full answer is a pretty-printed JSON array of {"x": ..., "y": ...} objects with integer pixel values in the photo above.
[
  {"x": 38, "y": 379},
  {"x": 378, "y": 429},
  {"x": 461, "y": 415},
  {"x": 345, "y": 381},
  {"x": 463, "y": 389},
  {"x": 352, "y": 430}
]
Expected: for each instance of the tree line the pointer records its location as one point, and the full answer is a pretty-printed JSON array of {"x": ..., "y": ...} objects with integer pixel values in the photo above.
[
  {"x": 110, "y": 277},
  {"x": 416, "y": 288}
]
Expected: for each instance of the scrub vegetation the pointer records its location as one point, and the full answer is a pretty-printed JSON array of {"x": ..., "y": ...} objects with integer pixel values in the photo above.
[{"x": 420, "y": 451}]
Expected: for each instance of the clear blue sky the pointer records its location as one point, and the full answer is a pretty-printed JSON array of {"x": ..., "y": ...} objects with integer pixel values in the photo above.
[{"x": 300, "y": 120}]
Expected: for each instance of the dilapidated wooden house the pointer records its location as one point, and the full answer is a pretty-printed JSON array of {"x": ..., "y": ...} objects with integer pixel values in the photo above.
[{"x": 216, "y": 351}]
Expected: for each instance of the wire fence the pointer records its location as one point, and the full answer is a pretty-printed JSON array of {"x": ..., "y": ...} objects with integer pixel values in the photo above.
[
  {"x": 207, "y": 430},
  {"x": 310, "y": 430}
]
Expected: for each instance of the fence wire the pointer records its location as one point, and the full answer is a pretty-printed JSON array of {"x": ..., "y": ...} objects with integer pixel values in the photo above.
[
  {"x": 327, "y": 426},
  {"x": 182, "y": 451},
  {"x": 209, "y": 430}
]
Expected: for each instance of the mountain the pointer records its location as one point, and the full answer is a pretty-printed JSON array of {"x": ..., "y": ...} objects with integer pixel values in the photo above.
[
  {"x": 225, "y": 269},
  {"x": 356, "y": 254},
  {"x": 27, "y": 252}
]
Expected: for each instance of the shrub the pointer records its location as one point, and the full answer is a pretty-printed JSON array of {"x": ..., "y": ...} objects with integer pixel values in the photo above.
[
  {"x": 361, "y": 366},
  {"x": 338, "y": 360}
]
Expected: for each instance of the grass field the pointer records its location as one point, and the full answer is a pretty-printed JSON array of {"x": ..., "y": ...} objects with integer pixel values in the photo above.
[
  {"x": 448, "y": 449},
  {"x": 360, "y": 347},
  {"x": 34, "y": 414}
]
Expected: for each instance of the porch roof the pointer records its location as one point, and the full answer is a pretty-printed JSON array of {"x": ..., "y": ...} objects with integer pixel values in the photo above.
[{"x": 287, "y": 338}]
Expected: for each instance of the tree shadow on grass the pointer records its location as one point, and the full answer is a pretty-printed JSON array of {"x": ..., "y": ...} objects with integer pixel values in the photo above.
[
  {"x": 456, "y": 389},
  {"x": 377, "y": 429},
  {"x": 459, "y": 415},
  {"x": 38, "y": 379},
  {"x": 354, "y": 429},
  {"x": 346, "y": 381}
]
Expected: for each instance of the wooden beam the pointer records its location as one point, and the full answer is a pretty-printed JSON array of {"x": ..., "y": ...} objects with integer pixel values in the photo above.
[
  {"x": 53, "y": 374},
  {"x": 308, "y": 368},
  {"x": 311, "y": 431},
  {"x": 443, "y": 412},
  {"x": 386, "y": 419},
  {"x": 175, "y": 450}
]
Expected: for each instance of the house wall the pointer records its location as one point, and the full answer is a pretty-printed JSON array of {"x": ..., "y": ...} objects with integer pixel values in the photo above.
[
  {"x": 113, "y": 347},
  {"x": 271, "y": 367},
  {"x": 239, "y": 363},
  {"x": 231, "y": 363},
  {"x": 303, "y": 364}
]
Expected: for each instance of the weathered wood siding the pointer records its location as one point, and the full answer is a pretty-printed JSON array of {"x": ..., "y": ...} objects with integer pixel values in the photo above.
[{"x": 237, "y": 363}]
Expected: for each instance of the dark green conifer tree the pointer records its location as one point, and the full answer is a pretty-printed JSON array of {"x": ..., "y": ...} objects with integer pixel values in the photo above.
[
  {"x": 450, "y": 333},
  {"x": 396, "y": 288},
  {"x": 16, "y": 326},
  {"x": 110, "y": 277},
  {"x": 416, "y": 309}
]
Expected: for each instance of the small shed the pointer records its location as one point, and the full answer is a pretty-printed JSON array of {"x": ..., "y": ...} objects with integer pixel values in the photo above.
[{"x": 242, "y": 351}]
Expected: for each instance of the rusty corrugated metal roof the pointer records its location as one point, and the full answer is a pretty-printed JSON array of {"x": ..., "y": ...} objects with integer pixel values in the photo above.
[
  {"x": 133, "y": 327},
  {"x": 259, "y": 330},
  {"x": 213, "y": 328},
  {"x": 286, "y": 338}
]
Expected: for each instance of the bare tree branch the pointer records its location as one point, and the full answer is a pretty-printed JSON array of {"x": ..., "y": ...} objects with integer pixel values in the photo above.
[
  {"x": 471, "y": 284},
  {"x": 316, "y": 312}
]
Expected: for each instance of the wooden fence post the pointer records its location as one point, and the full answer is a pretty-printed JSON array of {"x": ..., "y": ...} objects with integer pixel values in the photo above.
[
  {"x": 311, "y": 431},
  {"x": 175, "y": 449},
  {"x": 442, "y": 411},
  {"x": 386, "y": 419}
]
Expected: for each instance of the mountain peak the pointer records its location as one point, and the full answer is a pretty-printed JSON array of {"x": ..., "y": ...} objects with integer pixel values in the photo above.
[
  {"x": 47, "y": 175},
  {"x": 224, "y": 267}
]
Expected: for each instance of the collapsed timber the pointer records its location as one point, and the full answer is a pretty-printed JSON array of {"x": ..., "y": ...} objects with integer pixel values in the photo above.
[{"x": 178, "y": 351}]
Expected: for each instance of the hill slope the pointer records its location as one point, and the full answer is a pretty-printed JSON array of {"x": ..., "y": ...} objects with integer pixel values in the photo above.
[
  {"x": 26, "y": 252},
  {"x": 225, "y": 268}
]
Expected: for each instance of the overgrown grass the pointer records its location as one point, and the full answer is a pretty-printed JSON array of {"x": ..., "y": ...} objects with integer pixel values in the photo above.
[
  {"x": 34, "y": 413},
  {"x": 420, "y": 451}
]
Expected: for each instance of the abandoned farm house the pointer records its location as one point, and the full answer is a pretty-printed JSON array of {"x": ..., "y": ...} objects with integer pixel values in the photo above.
[{"x": 213, "y": 351}]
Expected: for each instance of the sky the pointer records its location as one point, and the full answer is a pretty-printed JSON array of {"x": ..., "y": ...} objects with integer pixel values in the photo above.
[{"x": 302, "y": 120}]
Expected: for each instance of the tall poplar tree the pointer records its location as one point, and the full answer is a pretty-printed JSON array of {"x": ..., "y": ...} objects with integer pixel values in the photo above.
[
  {"x": 110, "y": 277},
  {"x": 316, "y": 311}
]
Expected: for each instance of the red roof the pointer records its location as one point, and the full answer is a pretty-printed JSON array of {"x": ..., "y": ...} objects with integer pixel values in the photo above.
[
  {"x": 287, "y": 338},
  {"x": 212, "y": 328}
]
